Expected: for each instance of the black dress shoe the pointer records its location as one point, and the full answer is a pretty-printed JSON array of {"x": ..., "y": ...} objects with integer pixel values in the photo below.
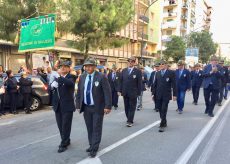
[
  {"x": 205, "y": 112},
  {"x": 88, "y": 150},
  {"x": 93, "y": 154},
  {"x": 161, "y": 129},
  {"x": 211, "y": 115},
  {"x": 62, "y": 149}
]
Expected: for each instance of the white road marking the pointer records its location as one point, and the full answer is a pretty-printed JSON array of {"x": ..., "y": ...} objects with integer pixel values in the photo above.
[
  {"x": 187, "y": 154},
  {"x": 39, "y": 121},
  {"x": 29, "y": 144},
  {"x": 120, "y": 113},
  {"x": 7, "y": 123},
  {"x": 213, "y": 140},
  {"x": 95, "y": 160},
  {"x": 115, "y": 145}
]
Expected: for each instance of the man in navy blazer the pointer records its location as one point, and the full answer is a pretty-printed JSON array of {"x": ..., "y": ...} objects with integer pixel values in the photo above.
[
  {"x": 183, "y": 82},
  {"x": 197, "y": 79},
  {"x": 94, "y": 98},
  {"x": 131, "y": 86},
  {"x": 63, "y": 103},
  {"x": 151, "y": 81},
  {"x": 212, "y": 84}
]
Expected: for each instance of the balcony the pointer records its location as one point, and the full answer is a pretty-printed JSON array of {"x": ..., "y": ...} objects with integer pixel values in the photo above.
[
  {"x": 185, "y": 6},
  {"x": 193, "y": 13},
  {"x": 144, "y": 19},
  {"x": 184, "y": 17},
  {"x": 169, "y": 15},
  {"x": 193, "y": 20},
  {"x": 144, "y": 36},
  {"x": 170, "y": 3},
  {"x": 169, "y": 25},
  {"x": 194, "y": 2},
  {"x": 183, "y": 28},
  {"x": 144, "y": 2},
  {"x": 166, "y": 38}
]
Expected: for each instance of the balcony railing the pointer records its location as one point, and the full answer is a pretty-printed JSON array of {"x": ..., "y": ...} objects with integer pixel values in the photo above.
[
  {"x": 169, "y": 25},
  {"x": 170, "y": 3},
  {"x": 144, "y": 18},
  {"x": 184, "y": 17},
  {"x": 185, "y": 6},
  {"x": 166, "y": 38},
  {"x": 145, "y": 36},
  {"x": 172, "y": 14}
]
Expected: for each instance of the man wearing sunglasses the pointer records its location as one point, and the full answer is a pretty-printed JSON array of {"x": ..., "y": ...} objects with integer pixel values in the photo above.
[{"x": 130, "y": 88}]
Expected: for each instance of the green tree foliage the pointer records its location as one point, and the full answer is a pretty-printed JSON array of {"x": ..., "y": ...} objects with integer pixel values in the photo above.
[
  {"x": 13, "y": 10},
  {"x": 175, "y": 49},
  {"x": 203, "y": 40},
  {"x": 95, "y": 22}
]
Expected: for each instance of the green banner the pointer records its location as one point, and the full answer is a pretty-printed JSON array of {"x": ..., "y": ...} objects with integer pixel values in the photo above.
[{"x": 37, "y": 33}]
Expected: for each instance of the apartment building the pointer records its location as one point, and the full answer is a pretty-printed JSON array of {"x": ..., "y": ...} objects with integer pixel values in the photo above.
[{"x": 178, "y": 18}]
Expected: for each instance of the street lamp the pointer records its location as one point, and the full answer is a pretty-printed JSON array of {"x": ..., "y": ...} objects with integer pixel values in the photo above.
[{"x": 142, "y": 37}]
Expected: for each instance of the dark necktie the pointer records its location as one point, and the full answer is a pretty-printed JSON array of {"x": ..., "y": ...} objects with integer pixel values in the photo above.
[
  {"x": 114, "y": 75},
  {"x": 162, "y": 73},
  {"x": 88, "y": 91}
]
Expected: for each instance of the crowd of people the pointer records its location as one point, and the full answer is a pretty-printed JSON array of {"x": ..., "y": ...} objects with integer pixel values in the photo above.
[{"x": 98, "y": 91}]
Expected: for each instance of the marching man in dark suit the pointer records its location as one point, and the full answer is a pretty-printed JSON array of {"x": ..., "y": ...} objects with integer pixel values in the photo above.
[
  {"x": 224, "y": 79},
  {"x": 131, "y": 86},
  {"x": 183, "y": 83},
  {"x": 114, "y": 81},
  {"x": 63, "y": 103},
  {"x": 151, "y": 82},
  {"x": 197, "y": 79},
  {"x": 212, "y": 84},
  {"x": 162, "y": 89},
  {"x": 94, "y": 98}
]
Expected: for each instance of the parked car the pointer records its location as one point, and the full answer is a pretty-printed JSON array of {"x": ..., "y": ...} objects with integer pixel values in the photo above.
[{"x": 40, "y": 94}]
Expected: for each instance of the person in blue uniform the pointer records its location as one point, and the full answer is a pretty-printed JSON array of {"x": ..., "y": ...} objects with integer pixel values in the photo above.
[
  {"x": 197, "y": 79},
  {"x": 183, "y": 82},
  {"x": 212, "y": 84}
]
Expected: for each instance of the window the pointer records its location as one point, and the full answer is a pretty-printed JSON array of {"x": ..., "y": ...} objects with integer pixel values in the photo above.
[
  {"x": 152, "y": 16},
  {"x": 169, "y": 32}
]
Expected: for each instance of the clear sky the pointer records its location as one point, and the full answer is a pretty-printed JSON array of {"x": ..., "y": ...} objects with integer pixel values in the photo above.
[{"x": 220, "y": 25}]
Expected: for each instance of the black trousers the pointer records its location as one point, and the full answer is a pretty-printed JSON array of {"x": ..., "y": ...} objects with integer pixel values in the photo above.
[
  {"x": 13, "y": 102},
  {"x": 163, "y": 109},
  {"x": 2, "y": 110},
  {"x": 114, "y": 99},
  {"x": 130, "y": 107},
  {"x": 221, "y": 94},
  {"x": 94, "y": 124},
  {"x": 210, "y": 97},
  {"x": 64, "y": 122},
  {"x": 195, "y": 93},
  {"x": 27, "y": 101}
]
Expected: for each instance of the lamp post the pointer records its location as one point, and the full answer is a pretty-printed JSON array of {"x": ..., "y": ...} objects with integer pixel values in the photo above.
[{"x": 142, "y": 33}]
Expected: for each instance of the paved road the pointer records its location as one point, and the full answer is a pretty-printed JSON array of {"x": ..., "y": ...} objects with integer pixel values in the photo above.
[{"x": 190, "y": 138}]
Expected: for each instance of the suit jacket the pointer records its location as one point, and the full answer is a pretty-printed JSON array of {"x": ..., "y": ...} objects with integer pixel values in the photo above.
[
  {"x": 197, "y": 78},
  {"x": 214, "y": 78},
  {"x": 11, "y": 85},
  {"x": 63, "y": 96},
  {"x": 150, "y": 82},
  {"x": 114, "y": 84},
  {"x": 131, "y": 84},
  {"x": 164, "y": 86},
  {"x": 102, "y": 95},
  {"x": 225, "y": 76},
  {"x": 25, "y": 85},
  {"x": 183, "y": 82}
]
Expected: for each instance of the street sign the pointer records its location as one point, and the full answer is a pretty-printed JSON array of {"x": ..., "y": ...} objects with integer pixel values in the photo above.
[
  {"x": 192, "y": 56},
  {"x": 37, "y": 33}
]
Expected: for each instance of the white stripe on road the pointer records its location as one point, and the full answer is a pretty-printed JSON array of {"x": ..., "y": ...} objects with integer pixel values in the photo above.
[
  {"x": 187, "y": 154},
  {"x": 115, "y": 145},
  {"x": 29, "y": 144},
  {"x": 120, "y": 113},
  {"x": 7, "y": 123},
  {"x": 213, "y": 140}
]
